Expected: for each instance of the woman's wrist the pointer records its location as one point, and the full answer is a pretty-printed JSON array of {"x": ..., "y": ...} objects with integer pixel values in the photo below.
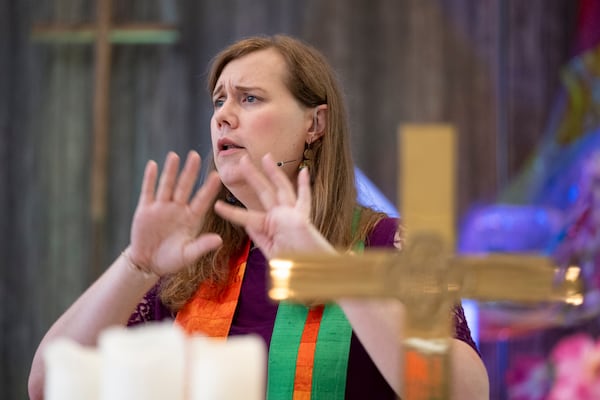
[{"x": 145, "y": 271}]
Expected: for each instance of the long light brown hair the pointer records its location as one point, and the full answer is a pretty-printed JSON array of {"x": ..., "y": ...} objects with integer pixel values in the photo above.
[{"x": 312, "y": 81}]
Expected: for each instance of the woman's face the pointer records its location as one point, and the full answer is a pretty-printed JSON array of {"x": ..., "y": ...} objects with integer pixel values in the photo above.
[{"x": 255, "y": 114}]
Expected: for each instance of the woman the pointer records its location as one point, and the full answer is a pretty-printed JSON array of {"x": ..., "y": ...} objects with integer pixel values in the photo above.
[{"x": 281, "y": 153}]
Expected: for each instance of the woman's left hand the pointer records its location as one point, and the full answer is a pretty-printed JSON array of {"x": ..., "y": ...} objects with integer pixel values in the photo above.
[{"x": 284, "y": 226}]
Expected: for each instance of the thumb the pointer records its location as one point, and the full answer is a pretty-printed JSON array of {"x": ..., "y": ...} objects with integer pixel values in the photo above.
[{"x": 202, "y": 245}]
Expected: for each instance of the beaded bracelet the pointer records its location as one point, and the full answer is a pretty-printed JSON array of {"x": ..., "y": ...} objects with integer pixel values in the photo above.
[{"x": 135, "y": 267}]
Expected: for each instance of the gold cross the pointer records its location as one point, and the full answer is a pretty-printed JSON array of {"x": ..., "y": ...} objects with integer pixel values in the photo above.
[
  {"x": 102, "y": 34},
  {"x": 425, "y": 276}
]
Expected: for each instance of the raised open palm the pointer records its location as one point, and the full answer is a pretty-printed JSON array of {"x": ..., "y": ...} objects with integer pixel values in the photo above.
[
  {"x": 284, "y": 225},
  {"x": 166, "y": 224}
]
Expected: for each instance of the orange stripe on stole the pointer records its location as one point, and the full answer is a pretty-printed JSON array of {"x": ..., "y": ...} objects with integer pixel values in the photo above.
[
  {"x": 422, "y": 375},
  {"x": 306, "y": 354},
  {"x": 210, "y": 310}
]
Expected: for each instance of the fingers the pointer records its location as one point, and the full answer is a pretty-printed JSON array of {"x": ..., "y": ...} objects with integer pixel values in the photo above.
[
  {"x": 206, "y": 195},
  {"x": 148, "y": 183},
  {"x": 285, "y": 191},
  {"x": 304, "y": 194},
  {"x": 274, "y": 188},
  {"x": 202, "y": 245},
  {"x": 166, "y": 184},
  {"x": 187, "y": 178},
  {"x": 174, "y": 187},
  {"x": 259, "y": 182},
  {"x": 240, "y": 216}
]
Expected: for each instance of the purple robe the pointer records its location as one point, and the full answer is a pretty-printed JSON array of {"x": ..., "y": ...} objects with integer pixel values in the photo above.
[{"x": 255, "y": 313}]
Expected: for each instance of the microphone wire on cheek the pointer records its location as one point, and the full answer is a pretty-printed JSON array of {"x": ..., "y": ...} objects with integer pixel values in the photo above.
[{"x": 281, "y": 163}]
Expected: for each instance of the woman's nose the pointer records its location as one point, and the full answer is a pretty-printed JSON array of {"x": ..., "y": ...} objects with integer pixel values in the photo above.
[{"x": 226, "y": 114}]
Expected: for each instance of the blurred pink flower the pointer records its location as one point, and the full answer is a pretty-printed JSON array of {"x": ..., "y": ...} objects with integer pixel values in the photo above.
[
  {"x": 571, "y": 372},
  {"x": 576, "y": 361}
]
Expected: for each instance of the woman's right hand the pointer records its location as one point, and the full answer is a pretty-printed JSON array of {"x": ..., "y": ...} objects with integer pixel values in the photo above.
[{"x": 166, "y": 224}]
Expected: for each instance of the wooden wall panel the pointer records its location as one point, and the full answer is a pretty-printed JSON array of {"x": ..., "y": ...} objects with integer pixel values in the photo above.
[{"x": 490, "y": 67}]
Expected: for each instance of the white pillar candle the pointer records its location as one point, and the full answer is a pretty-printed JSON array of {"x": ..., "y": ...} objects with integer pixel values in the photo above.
[
  {"x": 146, "y": 362},
  {"x": 227, "y": 370},
  {"x": 72, "y": 371}
]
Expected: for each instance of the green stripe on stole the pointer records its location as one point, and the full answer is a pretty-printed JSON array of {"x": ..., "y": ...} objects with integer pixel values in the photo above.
[{"x": 331, "y": 352}]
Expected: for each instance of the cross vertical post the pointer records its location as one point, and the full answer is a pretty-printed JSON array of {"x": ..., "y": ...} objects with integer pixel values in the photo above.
[
  {"x": 426, "y": 186},
  {"x": 102, "y": 34},
  {"x": 101, "y": 117}
]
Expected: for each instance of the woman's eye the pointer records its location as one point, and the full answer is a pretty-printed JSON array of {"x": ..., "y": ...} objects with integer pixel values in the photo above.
[
  {"x": 250, "y": 98},
  {"x": 218, "y": 102}
]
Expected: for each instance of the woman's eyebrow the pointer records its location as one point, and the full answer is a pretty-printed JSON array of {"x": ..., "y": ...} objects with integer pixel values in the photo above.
[
  {"x": 239, "y": 88},
  {"x": 249, "y": 88}
]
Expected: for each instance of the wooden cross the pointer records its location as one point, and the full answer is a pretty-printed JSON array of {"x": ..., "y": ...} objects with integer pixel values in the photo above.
[
  {"x": 102, "y": 34},
  {"x": 425, "y": 276}
]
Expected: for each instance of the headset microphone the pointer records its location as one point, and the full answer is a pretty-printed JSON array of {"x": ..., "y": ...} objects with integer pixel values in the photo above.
[{"x": 280, "y": 163}]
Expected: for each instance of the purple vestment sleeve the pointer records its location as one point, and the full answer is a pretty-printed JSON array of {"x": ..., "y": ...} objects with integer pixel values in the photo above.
[{"x": 150, "y": 309}]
